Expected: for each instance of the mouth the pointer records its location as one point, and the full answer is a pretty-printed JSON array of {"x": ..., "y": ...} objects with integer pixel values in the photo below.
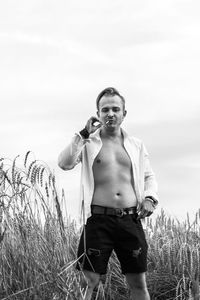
[{"x": 109, "y": 122}]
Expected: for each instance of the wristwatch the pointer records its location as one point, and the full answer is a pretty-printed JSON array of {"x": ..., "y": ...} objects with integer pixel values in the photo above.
[
  {"x": 84, "y": 133},
  {"x": 152, "y": 199}
]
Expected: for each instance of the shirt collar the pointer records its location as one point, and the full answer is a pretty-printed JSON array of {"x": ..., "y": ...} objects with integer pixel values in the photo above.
[{"x": 96, "y": 134}]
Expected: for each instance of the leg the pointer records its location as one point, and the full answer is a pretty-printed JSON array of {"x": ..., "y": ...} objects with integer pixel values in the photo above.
[
  {"x": 96, "y": 247},
  {"x": 138, "y": 286},
  {"x": 131, "y": 250},
  {"x": 92, "y": 280}
]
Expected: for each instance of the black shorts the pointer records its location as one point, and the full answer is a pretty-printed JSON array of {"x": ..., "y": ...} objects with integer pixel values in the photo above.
[{"x": 104, "y": 233}]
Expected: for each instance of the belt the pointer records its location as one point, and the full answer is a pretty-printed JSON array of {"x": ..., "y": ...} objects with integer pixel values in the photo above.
[{"x": 119, "y": 212}]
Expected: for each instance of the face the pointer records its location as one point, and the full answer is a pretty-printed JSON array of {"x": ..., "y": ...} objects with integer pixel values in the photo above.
[{"x": 111, "y": 112}]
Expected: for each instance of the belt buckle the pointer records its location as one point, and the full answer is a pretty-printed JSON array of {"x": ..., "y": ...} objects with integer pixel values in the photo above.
[{"x": 119, "y": 212}]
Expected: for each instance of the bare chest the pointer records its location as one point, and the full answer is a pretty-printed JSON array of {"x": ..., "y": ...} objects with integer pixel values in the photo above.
[{"x": 112, "y": 154}]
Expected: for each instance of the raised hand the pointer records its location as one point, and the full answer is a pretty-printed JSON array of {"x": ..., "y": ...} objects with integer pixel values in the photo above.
[{"x": 92, "y": 124}]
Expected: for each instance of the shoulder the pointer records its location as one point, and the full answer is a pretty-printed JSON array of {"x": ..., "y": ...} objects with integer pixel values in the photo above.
[
  {"x": 133, "y": 140},
  {"x": 136, "y": 142}
]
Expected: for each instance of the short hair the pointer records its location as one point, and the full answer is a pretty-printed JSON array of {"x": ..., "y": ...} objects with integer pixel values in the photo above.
[{"x": 110, "y": 91}]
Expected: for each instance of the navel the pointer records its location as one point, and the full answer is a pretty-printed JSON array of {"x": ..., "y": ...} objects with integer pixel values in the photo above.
[
  {"x": 118, "y": 194},
  {"x": 98, "y": 161}
]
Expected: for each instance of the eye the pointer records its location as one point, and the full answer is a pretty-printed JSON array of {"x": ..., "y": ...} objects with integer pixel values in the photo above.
[{"x": 116, "y": 109}]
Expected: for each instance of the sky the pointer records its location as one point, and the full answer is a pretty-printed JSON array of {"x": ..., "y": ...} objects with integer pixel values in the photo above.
[{"x": 55, "y": 58}]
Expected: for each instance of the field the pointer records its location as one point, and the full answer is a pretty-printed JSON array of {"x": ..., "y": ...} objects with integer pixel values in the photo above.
[{"x": 38, "y": 243}]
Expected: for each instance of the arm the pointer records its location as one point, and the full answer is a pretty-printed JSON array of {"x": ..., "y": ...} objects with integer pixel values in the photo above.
[
  {"x": 150, "y": 183},
  {"x": 71, "y": 155},
  {"x": 150, "y": 188}
]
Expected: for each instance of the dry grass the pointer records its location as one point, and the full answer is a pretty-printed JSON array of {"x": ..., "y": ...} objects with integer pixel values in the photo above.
[{"x": 38, "y": 244}]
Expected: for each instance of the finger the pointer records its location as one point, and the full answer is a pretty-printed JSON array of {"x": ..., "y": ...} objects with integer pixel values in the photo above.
[
  {"x": 149, "y": 213},
  {"x": 143, "y": 214},
  {"x": 94, "y": 119},
  {"x": 93, "y": 124},
  {"x": 96, "y": 124},
  {"x": 140, "y": 216},
  {"x": 90, "y": 123}
]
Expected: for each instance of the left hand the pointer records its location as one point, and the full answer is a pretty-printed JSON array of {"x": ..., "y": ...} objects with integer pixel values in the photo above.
[{"x": 146, "y": 210}]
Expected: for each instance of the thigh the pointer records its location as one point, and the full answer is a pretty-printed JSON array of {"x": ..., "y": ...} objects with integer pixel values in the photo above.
[
  {"x": 131, "y": 246},
  {"x": 95, "y": 246}
]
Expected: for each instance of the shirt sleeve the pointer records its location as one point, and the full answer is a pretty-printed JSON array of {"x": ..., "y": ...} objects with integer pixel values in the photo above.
[
  {"x": 150, "y": 183},
  {"x": 71, "y": 155}
]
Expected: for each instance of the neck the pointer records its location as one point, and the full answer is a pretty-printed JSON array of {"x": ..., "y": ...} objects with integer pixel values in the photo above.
[{"x": 112, "y": 133}]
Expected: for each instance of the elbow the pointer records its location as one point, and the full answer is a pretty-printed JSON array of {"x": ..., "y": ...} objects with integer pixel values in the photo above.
[{"x": 63, "y": 165}]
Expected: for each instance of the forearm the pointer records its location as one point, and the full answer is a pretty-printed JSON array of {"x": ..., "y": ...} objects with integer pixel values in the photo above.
[
  {"x": 71, "y": 155},
  {"x": 151, "y": 187},
  {"x": 150, "y": 183}
]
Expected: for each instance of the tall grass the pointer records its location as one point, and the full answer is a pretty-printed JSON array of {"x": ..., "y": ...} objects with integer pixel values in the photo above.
[{"x": 38, "y": 243}]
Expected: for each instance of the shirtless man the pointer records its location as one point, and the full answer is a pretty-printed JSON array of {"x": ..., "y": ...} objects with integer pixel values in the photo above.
[{"x": 119, "y": 188}]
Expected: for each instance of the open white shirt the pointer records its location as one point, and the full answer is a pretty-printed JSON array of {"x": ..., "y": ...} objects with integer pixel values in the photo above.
[{"x": 85, "y": 151}]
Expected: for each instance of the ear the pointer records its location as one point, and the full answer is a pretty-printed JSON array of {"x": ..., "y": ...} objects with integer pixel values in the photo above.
[
  {"x": 125, "y": 112},
  {"x": 97, "y": 113}
]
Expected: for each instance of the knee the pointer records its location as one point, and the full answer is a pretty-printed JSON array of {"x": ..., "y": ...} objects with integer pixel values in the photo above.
[
  {"x": 137, "y": 282},
  {"x": 92, "y": 279},
  {"x": 92, "y": 282},
  {"x": 138, "y": 286}
]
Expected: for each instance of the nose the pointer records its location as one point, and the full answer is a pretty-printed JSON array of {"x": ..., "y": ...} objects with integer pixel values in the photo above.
[{"x": 110, "y": 113}]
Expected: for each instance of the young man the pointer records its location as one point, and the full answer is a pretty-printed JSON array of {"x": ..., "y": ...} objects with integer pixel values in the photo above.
[{"x": 118, "y": 188}]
